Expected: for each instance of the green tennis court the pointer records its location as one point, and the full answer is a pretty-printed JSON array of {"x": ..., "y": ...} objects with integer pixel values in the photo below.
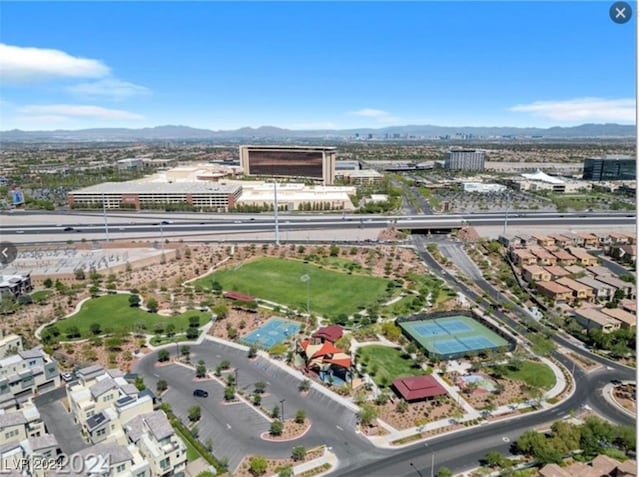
[{"x": 453, "y": 336}]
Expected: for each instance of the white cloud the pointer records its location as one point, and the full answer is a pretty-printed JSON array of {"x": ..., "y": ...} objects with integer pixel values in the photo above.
[
  {"x": 109, "y": 88},
  {"x": 79, "y": 111},
  {"x": 582, "y": 110},
  {"x": 378, "y": 115},
  {"x": 24, "y": 64}
]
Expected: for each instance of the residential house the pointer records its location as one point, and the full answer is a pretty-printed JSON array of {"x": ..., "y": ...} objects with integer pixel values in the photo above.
[
  {"x": 575, "y": 271},
  {"x": 543, "y": 240},
  {"x": 563, "y": 257},
  {"x": 589, "y": 240},
  {"x": 535, "y": 273},
  {"x": 561, "y": 241},
  {"x": 603, "y": 240},
  {"x": 592, "y": 318},
  {"x": 628, "y": 305},
  {"x": 573, "y": 239},
  {"x": 627, "y": 320},
  {"x": 25, "y": 373},
  {"x": 14, "y": 454},
  {"x": 580, "y": 291},
  {"x": 619, "y": 238},
  {"x": 601, "y": 291},
  {"x": 623, "y": 253},
  {"x": 526, "y": 240},
  {"x": 583, "y": 257},
  {"x": 554, "y": 291},
  {"x": 629, "y": 289},
  {"x": 21, "y": 424},
  {"x": 599, "y": 270},
  {"x": 9, "y": 344},
  {"x": 544, "y": 257},
  {"x": 109, "y": 459},
  {"x": 522, "y": 257},
  {"x": 158, "y": 443},
  {"x": 556, "y": 272},
  {"x": 601, "y": 466}
]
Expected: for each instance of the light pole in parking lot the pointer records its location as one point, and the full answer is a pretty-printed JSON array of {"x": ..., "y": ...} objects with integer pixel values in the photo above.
[
  {"x": 282, "y": 406},
  {"x": 275, "y": 210}
]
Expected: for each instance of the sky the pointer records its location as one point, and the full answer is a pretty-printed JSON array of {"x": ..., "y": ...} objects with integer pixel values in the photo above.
[{"x": 313, "y": 65}]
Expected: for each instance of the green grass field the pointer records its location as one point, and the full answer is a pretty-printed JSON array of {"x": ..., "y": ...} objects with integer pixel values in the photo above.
[
  {"x": 538, "y": 375},
  {"x": 330, "y": 293},
  {"x": 114, "y": 315},
  {"x": 385, "y": 364}
]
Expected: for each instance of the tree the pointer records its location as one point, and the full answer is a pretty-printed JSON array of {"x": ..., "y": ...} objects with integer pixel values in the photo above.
[
  {"x": 201, "y": 369},
  {"x": 253, "y": 352},
  {"x": 229, "y": 393},
  {"x": 95, "y": 328},
  {"x": 48, "y": 283},
  {"x": 94, "y": 290},
  {"x": 334, "y": 250},
  {"x": 221, "y": 310},
  {"x": 134, "y": 300},
  {"x": 493, "y": 459},
  {"x": 301, "y": 416},
  {"x": 276, "y": 428},
  {"x": 152, "y": 305},
  {"x": 216, "y": 287},
  {"x": 275, "y": 412},
  {"x": 185, "y": 351},
  {"x": 298, "y": 453},
  {"x": 260, "y": 387},
  {"x": 139, "y": 384},
  {"x": 368, "y": 414},
  {"x": 304, "y": 385},
  {"x": 163, "y": 355},
  {"x": 286, "y": 471},
  {"x": 257, "y": 399},
  {"x": 402, "y": 406},
  {"x": 194, "y": 413},
  {"x": 161, "y": 386},
  {"x": 444, "y": 472},
  {"x": 258, "y": 465},
  {"x": 170, "y": 329},
  {"x": 73, "y": 332},
  {"x": 194, "y": 321}
]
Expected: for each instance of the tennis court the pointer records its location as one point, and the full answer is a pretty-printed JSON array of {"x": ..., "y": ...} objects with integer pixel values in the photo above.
[
  {"x": 273, "y": 332},
  {"x": 453, "y": 336}
]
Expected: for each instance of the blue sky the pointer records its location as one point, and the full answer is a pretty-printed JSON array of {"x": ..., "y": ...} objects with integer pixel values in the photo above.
[{"x": 313, "y": 65}]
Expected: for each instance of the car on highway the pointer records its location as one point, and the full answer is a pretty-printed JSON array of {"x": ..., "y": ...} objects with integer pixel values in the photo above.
[
  {"x": 68, "y": 229},
  {"x": 19, "y": 231},
  {"x": 166, "y": 222},
  {"x": 200, "y": 393}
]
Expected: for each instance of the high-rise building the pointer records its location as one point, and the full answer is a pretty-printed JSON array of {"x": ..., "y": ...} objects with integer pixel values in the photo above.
[
  {"x": 614, "y": 167},
  {"x": 465, "y": 159},
  {"x": 306, "y": 162}
]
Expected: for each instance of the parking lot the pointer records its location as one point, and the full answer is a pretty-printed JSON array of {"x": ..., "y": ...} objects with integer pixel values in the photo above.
[
  {"x": 235, "y": 429},
  {"x": 59, "y": 422}
]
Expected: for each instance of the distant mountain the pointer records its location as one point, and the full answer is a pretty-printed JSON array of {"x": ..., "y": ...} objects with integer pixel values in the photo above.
[{"x": 169, "y": 132}]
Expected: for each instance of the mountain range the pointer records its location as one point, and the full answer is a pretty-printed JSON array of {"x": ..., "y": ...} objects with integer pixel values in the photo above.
[{"x": 169, "y": 132}]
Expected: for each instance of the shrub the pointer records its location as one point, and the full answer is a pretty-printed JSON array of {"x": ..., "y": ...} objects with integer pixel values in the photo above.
[{"x": 276, "y": 428}]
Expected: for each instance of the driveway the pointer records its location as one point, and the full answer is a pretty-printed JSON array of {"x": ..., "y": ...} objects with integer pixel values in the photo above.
[{"x": 59, "y": 422}]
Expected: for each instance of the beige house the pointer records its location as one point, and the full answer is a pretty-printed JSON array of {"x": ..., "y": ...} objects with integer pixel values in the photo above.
[
  {"x": 601, "y": 466},
  {"x": 601, "y": 291},
  {"x": 627, "y": 320},
  {"x": 523, "y": 257},
  {"x": 556, "y": 272},
  {"x": 580, "y": 291},
  {"x": 593, "y": 318},
  {"x": 9, "y": 344},
  {"x": 564, "y": 257},
  {"x": 544, "y": 258},
  {"x": 21, "y": 424},
  {"x": 628, "y": 288},
  {"x": 560, "y": 240},
  {"x": 555, "y": 291},
  {"x": 25, "y": 373},
  {"x": 123, "y": 461},
  {"x": 588, "y": 240},
  {"x": 13, "y": 454},
  {"x": 583, "y": 257},
  {"x": 535, "y": 273},
  {"x": 543, "y": 240}
]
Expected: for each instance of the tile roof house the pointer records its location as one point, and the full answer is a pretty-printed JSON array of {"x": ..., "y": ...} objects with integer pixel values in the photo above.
[
  {"x": 580, "y": 290},
  {"x": 592, "y": 318},
  {"x": 556, "y": 272},
  {"x": 555, "y": 291}
]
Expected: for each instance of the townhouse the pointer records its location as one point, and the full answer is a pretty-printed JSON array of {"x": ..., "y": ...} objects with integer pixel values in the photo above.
[
  {"x": 18, "y": 425},
  {"x": 522, "y": 257},
  {"x": 107, "y": 459},
  {"x": 25, "y": 373},
  {"x": 592, "y": 318},
  {"x": 535, "y": 273},
  {"x": 555, "y": 292},
  {"x": 601, "y": 291},
  {"x": 583, "y": 257},
  {"x": 563, "y": 257},
  {"x": 629, "y": 289},
  {"x": 556, "y": 272},
  {"x": 580, "y": 291},
  {"x": 627, "y": 320},
  {"x": 544, "y": 258}
]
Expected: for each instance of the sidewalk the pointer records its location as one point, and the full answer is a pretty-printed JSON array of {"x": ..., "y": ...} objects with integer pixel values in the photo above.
[{"x": 327, "y": 458}]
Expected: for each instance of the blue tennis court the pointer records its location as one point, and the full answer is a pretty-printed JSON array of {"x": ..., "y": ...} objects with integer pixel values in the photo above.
[
  {"x": 273, "y": 332},
  {"x": 453, "y": 336}
]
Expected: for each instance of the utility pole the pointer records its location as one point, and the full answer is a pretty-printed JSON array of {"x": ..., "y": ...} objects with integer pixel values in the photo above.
[
  {"x": 506, "y": 216},
  {"x": 433, "y": 461},
  {"x": 282, "y": 404},
  {"x": 104, "y": 213},
  {"x": 275, "y": 209}
]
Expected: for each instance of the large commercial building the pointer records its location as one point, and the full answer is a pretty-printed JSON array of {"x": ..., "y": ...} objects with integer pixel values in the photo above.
[
  {"x": 615, "y": 167},
  {"x": 465, "y": 159},
  {"x": 140, "y": 195},
  {"x": 307, "y": 162}
]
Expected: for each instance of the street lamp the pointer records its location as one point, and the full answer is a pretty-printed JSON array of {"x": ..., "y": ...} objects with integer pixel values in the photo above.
[
  {"x": 306, "y": 279},
  {"x": 416, "y": 469},
  {"x": 236, "y": 374},
  {"x": 282, "y": 406}
]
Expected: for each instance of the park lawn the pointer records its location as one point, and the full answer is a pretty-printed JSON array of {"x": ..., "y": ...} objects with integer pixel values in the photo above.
[
  {"x": 114, "y": 315},
  {"x": 330, "y": 293},
  {"x": 384, "y": 364},
  {"x": 538, "y": 375}
]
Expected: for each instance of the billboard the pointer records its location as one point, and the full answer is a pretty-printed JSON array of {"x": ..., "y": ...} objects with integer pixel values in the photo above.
[{"x": 17, "y": 197}]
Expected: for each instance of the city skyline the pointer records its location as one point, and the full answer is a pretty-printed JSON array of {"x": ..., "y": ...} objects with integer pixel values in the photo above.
[{"x": 224, "y": 66}]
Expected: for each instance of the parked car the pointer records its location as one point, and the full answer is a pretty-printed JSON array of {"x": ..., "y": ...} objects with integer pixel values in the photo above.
[
  {"x": 67, "y": 377},
  {"x": 200, "y": 393}
]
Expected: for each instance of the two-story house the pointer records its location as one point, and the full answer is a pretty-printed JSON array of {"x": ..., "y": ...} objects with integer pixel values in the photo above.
[
  {"x": 580, "y": 291},
  {"x": 25, "y": 373},
  {"x": 555, "y": 292}
]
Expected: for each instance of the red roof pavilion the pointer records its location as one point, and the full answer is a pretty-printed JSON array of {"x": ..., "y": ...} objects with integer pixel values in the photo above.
[
  {"x": 331, "y": 333},
  {"x": 237, "y": 296},
  {"x": 418, "y": 387}
]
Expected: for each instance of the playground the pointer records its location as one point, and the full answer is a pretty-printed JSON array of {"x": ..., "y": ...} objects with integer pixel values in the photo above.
[{"x": 453, "y": 336}]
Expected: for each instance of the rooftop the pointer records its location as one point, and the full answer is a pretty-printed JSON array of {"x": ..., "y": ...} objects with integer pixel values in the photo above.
[
  {"x": 138, "y": 187},
  {"x": 418, "y": 387}
]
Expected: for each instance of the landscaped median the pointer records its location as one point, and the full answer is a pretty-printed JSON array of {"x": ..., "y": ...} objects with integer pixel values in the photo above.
[{"x": 303, "y": 462}]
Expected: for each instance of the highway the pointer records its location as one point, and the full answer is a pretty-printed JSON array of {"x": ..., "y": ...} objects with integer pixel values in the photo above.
[{"x": 169, "y": 224}]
